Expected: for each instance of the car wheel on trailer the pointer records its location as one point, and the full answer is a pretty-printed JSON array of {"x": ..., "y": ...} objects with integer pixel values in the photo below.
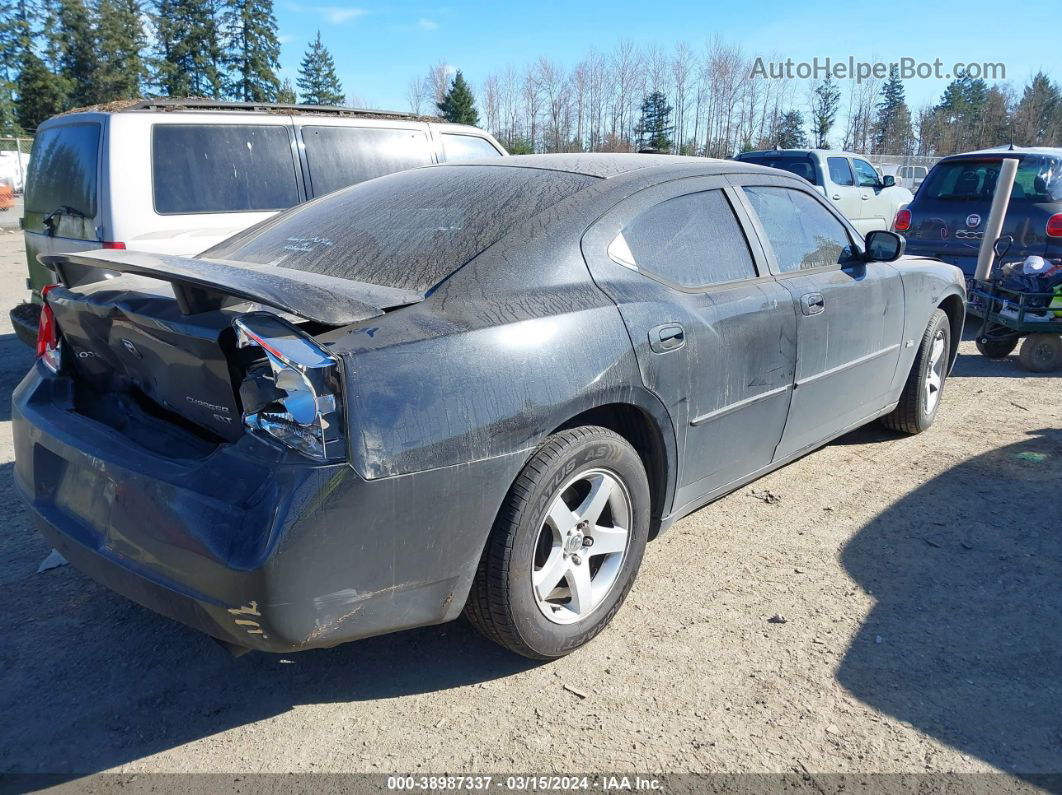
[
  {"x": 921, "y": 395},
  {"x": 998, "y": 348},
  {"x": 1041, "y": 353},
  {"x": 566, "y": 546}
]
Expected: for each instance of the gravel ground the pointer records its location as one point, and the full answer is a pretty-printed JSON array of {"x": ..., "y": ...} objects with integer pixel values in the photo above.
[{"x": 919, "y": 578}]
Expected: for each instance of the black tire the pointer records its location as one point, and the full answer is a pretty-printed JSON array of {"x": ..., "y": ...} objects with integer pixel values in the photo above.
[
  {"x": 1041, "y": 353},
  {"x": 997, "y": 348},
  {"x": 913, "y": 414},
  {"x": 502, "y": 604}
]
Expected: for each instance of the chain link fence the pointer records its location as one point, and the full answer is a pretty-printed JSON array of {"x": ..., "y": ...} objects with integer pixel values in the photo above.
[{"x": 14, "y": 160}]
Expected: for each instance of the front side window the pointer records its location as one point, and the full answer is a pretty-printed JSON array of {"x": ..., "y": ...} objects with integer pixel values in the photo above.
[
  {"x": 840, "y": 171},
  {"x": 803, "y": 233},
  {"x": 343, "y": 156},
  {"x": 690, "y": 241},
  {"x": 467, "y": 147},
  {"x": 868, "y": 175},
  {"x": 62, "y": 170},
  {"x": 222, "y": 168}
]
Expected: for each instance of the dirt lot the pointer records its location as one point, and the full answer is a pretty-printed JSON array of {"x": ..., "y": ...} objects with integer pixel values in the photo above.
[{"x": 919, "y": 578}]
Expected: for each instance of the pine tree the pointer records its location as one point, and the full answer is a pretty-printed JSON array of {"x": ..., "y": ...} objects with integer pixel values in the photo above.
[
  {"x": 121, "y": 38},
  {"x": 824, "y": 103},
  {"x": 76, "y": 52},
  {"x": 188, "y": 53},
  {"x": 1038, "y": 116},
  {"x": 252, "y": 51},
  {"x": 39, "y": 95},
  {"x": 654, "y": 128},
  {"x": 286, "y": 95},
  {"x": 458, "y": 105},
  {"x": 791, "y": 133},
  {"x": 317, "y": 80},
  {"x": 892, "y": 133}
]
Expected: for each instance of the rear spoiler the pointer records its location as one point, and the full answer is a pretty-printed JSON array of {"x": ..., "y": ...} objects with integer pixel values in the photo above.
[{"x": 201, "y": 285}]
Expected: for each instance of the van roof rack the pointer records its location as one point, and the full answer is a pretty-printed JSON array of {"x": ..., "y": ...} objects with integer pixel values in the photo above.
[{"x": 178, "y": 103}]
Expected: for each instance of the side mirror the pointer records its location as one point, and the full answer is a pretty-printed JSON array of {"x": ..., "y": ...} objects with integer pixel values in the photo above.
[
  {"x": 884, "y": 246},
  {"x": 888, "y": 181}
]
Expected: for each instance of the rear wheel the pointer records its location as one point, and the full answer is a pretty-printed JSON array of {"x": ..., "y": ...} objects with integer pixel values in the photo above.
[
  {"x": 565, "y": 547},
  {"x": 1041, "y": 353},
  {"x": 921, "y": 394}
]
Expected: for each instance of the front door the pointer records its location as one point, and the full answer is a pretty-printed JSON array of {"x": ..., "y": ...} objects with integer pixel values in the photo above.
[
  {"x": 876, "y": 205},
  {"x": 714, "y": 332},
  {"x": 850, "y": 313}
]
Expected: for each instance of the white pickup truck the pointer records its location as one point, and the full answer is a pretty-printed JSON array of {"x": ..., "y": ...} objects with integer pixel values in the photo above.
[{"x": 851, "y": 183}]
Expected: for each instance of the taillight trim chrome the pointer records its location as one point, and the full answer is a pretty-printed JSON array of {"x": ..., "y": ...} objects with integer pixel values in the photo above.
[{"x": 313, "y": 386}]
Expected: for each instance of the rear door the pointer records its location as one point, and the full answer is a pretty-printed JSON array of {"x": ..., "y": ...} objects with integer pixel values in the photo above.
[
  {"x": 62, "y": 202},
  {"x": 714, "y": 332},
  {"x": 850, "y": 313}
]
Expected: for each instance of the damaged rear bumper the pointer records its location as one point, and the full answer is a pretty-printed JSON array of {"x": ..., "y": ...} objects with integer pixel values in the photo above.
[{"x": 250, "y": 545}]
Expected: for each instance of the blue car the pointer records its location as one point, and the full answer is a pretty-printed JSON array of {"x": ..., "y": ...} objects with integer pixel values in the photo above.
[{"x": 946, "y": 220}]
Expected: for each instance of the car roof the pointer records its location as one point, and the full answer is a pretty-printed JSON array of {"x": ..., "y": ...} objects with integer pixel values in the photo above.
[
  {"x": 609, "y": 165},
  {"x": 1003, "y": 151},
  {"x": 827, "y": 152}
]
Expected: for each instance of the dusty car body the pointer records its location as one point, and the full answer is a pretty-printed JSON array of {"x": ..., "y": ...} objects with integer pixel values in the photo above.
[{"x": 456, "y": 329}]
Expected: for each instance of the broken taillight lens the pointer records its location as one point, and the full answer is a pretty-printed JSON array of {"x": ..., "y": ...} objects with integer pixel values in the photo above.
[
  {"x": 301, "y": 406},
  {"x": 48, "y": 345}
]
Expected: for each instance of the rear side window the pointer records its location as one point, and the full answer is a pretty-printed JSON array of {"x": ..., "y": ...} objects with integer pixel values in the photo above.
[
  {"x": 407, "y": 230},
  {"x": 801, "y": 231},
  {"x": 467, "y": 147},
  {"x": 343, "y": 156},
  {"x": 62, "y": 170},
  {"x": 222, "y": 168},
  {"x": 840, "y": 171},
  {"x": 690, "y": 241},
  {"x": 1039, "y": 179},
  {"x": 801, "y": 165}
]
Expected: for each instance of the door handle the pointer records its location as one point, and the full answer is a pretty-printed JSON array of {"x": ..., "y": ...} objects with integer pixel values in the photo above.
[
  {"x": 836, "y": 197},
  {"x": 812, "y": 303},
  {"x": 668, "y": 337},
  {"x": 865, "y": 197}
]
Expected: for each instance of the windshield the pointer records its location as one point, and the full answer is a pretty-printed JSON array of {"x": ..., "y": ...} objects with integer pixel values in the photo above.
[
  {"x": 801, "y": 165},
  {"x": 1039, "y": 179},
  {"x": 407, "y": 230}
]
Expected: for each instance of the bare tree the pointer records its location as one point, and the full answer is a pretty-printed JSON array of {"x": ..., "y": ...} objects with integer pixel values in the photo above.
[{"x": 415, "y": 96}]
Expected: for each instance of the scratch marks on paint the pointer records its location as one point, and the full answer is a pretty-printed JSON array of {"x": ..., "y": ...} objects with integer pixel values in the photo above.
[{"x": 250, "y": 626}]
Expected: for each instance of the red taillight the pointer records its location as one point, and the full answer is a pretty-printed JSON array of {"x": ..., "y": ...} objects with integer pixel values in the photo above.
[
  {"x": 111, "y": 244},
  {"x": 903, "y": 220},
  {"x": 1054, "y": 225},
  {"x": 48, "y": 332}
]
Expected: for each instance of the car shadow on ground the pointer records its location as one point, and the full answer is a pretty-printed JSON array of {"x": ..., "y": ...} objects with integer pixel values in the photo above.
[
  {"x": 93, "y": 681},
  {"x": 963, "y": 642}
]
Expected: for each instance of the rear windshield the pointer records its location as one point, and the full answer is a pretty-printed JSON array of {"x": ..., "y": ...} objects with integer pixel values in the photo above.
[
  {"x": 62, "y": 170},
  {"x": 801, "y": 165},
  {"x": 342, "y": 156},
  {"x": 407, "y": 230},
  {"x": 1039, "y": 179},
  {"x": 222, "y": 168}
]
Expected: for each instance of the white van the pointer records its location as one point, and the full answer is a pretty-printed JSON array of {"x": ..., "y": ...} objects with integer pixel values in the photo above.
[{"x": 178, "y": 176}]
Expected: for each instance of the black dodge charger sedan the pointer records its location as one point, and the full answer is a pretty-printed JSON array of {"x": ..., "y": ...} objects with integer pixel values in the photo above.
[{"x": 473, "y": 388}]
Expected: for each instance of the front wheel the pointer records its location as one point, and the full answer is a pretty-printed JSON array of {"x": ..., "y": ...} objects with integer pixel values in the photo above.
[
  {"x": 921, "y": 394},
  {"x": 566, "y": 546}
]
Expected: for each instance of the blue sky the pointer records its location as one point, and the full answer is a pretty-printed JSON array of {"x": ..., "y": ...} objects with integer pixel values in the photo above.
[{"x": 379, "y": 47}]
